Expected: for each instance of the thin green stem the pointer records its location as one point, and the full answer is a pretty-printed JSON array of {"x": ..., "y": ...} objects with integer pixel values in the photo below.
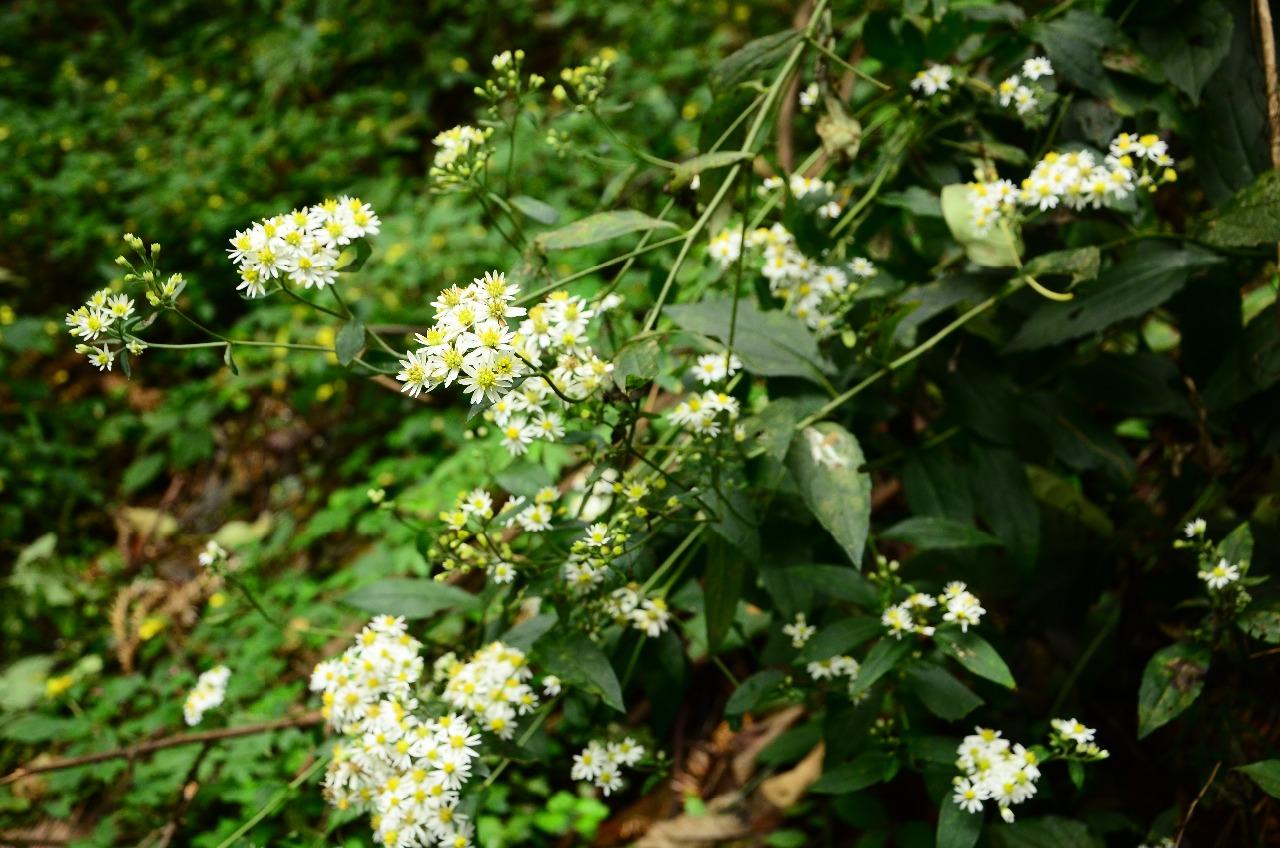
[
  {"x": 848, "y": 67},
  {"x": 276, "y": 801},
  {"x": 291, "y": 293},
  {"x": 688, "y": 540}
]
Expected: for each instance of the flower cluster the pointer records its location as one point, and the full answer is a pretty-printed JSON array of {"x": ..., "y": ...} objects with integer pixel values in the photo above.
[
  {"x": 302, "y": 247},
  {"x": 463, "y": 153},
  {"x": 932, "y": 80},
  {"x": 586, "y": 82},
  {"x": 104, "y": 315},
  {"x": 213, "y": 555},
  {"x": 714, "y": 367},
  {"x": 602, "y": 763},
  {"x": 629, "y": 606},
  {"x": 470, "y": 342},
  {"x": 801, "y": 186},
  {"x": 406, "y": 772},
  {"x": 700, "y": 414},
  {"x": 1075, "y": 738},
  {"x": 833, "y": 668},
  {"x": 1218, "y": 572},
  {"x": 799, "y": 630},
  {"x": 507, "y": 79},
  {"x": 1022, "y": 97},
  {"x": 818, "y": 294},
  {"x": 1074, "y": 179},
  {"x": 493, "y": 688},
  {"x": 996, "y": 771},
  {"x": 959, "y": 606},
  {"x": 210, "y": 690}
]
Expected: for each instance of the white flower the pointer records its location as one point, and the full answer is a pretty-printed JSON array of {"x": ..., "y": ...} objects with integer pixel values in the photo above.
[
  {"x": 823, "y": 451},
  {"x": 809, "y": 96},
  {"x": 1220, "y": 575},
  {"x": 208, "y": 693},
  {"x": 551, "y": 686},
  {"x": 1037, "y": 67},
  {"x": 932, "y": 80},
  {"x": 1195, "y": 528},
  {"x": 213, "y": 552},
  {"x": 799, "y": 630},
  {"x": 713, "y": 367}
]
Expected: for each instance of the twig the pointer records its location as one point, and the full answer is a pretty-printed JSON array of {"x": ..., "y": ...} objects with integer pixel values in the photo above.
[
  {"x": 167, "y": 742},
  {"x": 1267, "y": 31},
  {"x": 190, "y": 786},
  {"x": 1187, "y": 819}
]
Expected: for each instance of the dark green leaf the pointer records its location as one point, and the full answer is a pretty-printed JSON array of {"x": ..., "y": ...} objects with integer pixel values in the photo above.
[
  {"x": 974, "y": 653},
  {"x": 723, "y": 589},
  {"x": 524, "y": 634},
  {"x": 1080, "y": 264},
  {"x": 753, "y": 59},
  {"x": 772, "y": 344},
  {"x": 1190, "y": 45},
  {"x": 1047, "y": 832},
  {"x": 866, "y": 770},
  {"x": 1266, "y": 774},
  {"x": 1075, "y": 770},
  {"x": 998, "y": 247},
  {"x": 1126, "y": 291},
  {"x": 1251, "y": 217},
  {"x": 1075, "y": 43},
  {"x": 354, "y": 257},
  {"x": 600, "y": 227},
  {"x": 1237, "y": 547},
  {"x": 840, "y": 638},
  {"x": 230, "y": 361},
  {"x": 141, "y": 472},
  {"x": 413, "y": 599},
  {"x": 795, "y": 587},
  {"x": 640, "y": 358},
  {"x": 1171, "y": 682},
  {"x": 543, "y": 213},
  {"x": 956, "y": 828},
  {"x": 940, "y": 692},
  {"x": 580, "y": 662},
  {"x": 1262, "y": 624},
  {"x": 1005, "y": 501},
  {"x": 752, "y": 691},
  {"x": 931, "y": 532},
  {"x": 350, "y": 341},
  {"x": 881, "y": 659},
  {"x": 824, "y": 460}
]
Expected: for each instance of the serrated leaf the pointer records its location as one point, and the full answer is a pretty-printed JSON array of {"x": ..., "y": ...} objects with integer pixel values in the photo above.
[
  {"x": 575, "y": 659},
  {"x": 957, "y": 828},
  {"x": 753, "y": 59},
  {"x": 996, "y": 248},
  {"x": 600, "y": 227},
  {"x": 1171, "y": 682},
  {"x": 840, "y": 638},
  {"x": 1265, "y": 773},
  {"x": 881, "y": 659},
  {"x": 690, "y": 168},
  {"x": 1190, "y": 45},
  {"x": 752, "y": 690},
  {"x": 1128, "y": 290},
  {"x": 865, "y": 770},
  {"x": 350, "y": 341},
  {"x": 940, "y": 692},
  {"x": 933, "y": 532},
  {"x": 1250, "y": 217},
  {"x": 413, "y": 599},
  {"x": 824, "y": 460},
  {"x": 771, "y": 344},
  {"x": 534, "y": 209},
  {"x": 974, "y": 653},
  {"x": 1075, "y": 43}
]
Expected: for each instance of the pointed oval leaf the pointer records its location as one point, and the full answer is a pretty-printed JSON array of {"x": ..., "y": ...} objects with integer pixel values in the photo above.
[
  {"x": 974, "y": 653},
  {"x": 824, "y": 460},
  {"x": 1171, "y": 682},
  {"x": 840, "y": 638},
  {"x": 1266, "y": 774},
  {"x": 349, "y": 343},
  {"x": 600, "y": 227},
  {"x": 412, "y": 599},
  {"x": 543, "y": 213},
  {"x": 580, "y": 662}
]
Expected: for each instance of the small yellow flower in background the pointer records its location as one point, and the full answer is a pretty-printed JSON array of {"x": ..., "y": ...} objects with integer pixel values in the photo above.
[
  {"x": 55, "y": 686},
  {"x": 217, "y": 600},
  {"x": 460, "y": 65},
  {"x": 151, "y": 627}
]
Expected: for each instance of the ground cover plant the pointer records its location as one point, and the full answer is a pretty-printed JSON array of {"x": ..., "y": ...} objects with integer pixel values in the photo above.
[{"x": 862, "y": 437}]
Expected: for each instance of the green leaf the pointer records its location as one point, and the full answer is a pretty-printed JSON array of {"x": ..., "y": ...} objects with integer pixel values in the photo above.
[
  {"x": 866, "y": 770},
  {"x": 413, "y": 599},
  {"x": 1006, "y": 503},
  {"x": 639, "y": 357},
  {"x": 1171, "y": 682},
  {"x": 998, "y": 247},
  {"x": 1265, "y": 773},
  {"x": 600, "y": 227},
  {"x": 1075, "y": 43},
  {"x": 940, "y": 692},
  {"x": 22, "y": 683},
  {"x": 1190, "y": 45},
  {"x": 974, "y": 653},
  {"x": 1080, "y": 264},
  {"x": 753, "y": 59},
  {"x": 840, "y": 638},
  {"x": 1047, "y": 832},
  {"x": 1075, "y": 770},
  {"x": 1261, "y": 624},
  {"x": 574, "y": 658},
  {"x": 794, "y": 587},
  {"x": 824, "y": 460},
  {"x": 141, "y": 472},
  {"x": 932, "y": 532},
  {"x": 752, "y": 691},
  {"x": 690, "y": 168},
  {"x": 353, "y": 258},
  {"x": 881, "y": 659},
  {"x": 1237, "y": 547},
  {"x": 1250, "y": 217},
  {"x": 1128, "y": 290},
  {"x": 229, "y": 359},
  {"x": 771, "y": 344},
  {"x": 524, "y": 634},
  {"x": 350, "y": 341},
  {"x": 722, "y": 591},
  {"x": 543, "y": 213},
  {"x": 956, "y": 828}
]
